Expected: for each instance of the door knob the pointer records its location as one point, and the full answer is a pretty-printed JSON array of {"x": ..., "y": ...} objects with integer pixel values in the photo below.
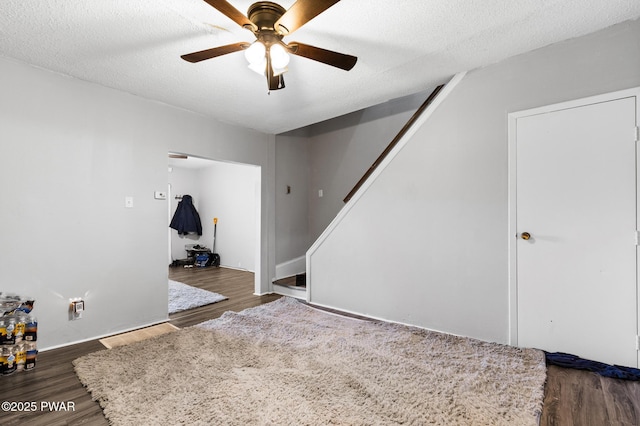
[{"x": 525, "y": 235}]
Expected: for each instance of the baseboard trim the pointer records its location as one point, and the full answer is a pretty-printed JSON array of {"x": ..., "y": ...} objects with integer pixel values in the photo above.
[{"x": 102, "y": 336}]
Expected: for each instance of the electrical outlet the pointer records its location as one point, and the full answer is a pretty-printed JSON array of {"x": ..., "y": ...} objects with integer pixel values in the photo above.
[{"x": 76, "y": 308}]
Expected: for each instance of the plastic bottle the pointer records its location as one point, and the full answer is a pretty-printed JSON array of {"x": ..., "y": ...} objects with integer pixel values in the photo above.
[
  {"x": 3, "y": 330},
  {"x": 9, "y": 359},
  {"x": 21, "y": 356},
  {"x": 10, "y": 327},
  {"x": 21, "y": 324},
  {"x": 31, "y": 329},
  {"x": 32, "y": 355}
]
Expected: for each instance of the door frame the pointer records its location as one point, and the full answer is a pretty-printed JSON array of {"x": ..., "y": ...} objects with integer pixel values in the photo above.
[{"x": 512, "y": 192}]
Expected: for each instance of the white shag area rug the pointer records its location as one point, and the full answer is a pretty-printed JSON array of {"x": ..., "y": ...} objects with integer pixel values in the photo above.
[
  {"x": 285, "y": 363},
  {"x": 183, "y": 297}
]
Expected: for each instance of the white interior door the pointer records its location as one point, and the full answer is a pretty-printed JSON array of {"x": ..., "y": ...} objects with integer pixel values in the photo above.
[{"x": 576, "y": 197}]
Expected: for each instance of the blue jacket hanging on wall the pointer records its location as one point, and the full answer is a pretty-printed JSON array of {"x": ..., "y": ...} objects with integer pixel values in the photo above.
[{"x": 186, "y": 218}]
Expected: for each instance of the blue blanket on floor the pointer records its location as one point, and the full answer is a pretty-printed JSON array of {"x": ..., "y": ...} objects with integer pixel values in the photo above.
[{"x": 572, "y": 361}]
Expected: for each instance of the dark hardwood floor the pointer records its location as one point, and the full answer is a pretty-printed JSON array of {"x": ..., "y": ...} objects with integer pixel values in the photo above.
[
  {"x": 582, "y": 398},
  {"x": 237, "y": 285},
  {"x": 572, "y": 397}
]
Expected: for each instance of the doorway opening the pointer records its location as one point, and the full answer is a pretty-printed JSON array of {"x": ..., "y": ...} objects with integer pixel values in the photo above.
[{"x": 229, "y": 192}]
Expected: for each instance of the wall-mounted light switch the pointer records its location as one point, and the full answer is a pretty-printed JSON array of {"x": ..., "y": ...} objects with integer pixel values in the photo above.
[
  {"x": 160, "y": 195},
  {"x": 128, "y": 202}
]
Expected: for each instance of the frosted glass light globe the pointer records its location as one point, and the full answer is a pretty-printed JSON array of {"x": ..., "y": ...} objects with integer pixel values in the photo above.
[
  {"x": 255, "y": 53},
  {"x": 259, "y": 67},
  {"x": 279, "y": 56}
]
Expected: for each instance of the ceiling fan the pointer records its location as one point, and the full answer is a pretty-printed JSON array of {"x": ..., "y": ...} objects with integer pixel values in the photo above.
[{"x": 270, "y": 22}]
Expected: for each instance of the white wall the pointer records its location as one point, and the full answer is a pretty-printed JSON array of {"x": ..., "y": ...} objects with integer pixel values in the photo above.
[
  {"x": 230, "y": 192},
  {"x": 427, "y": 242},
  {"x": 71, "y": 152},
  {"x": 341, "y": 150},
  {"x": 292, "y": 209}
]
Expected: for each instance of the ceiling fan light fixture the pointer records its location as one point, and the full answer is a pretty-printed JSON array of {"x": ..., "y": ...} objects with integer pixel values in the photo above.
[
  {"x": 279, "y": 56},
  {"x": 259, "y": 67},
  {"x": 255, "y": 54},
  {"x": 279, "y": 71},
  {"x": 269, "y": 22}
]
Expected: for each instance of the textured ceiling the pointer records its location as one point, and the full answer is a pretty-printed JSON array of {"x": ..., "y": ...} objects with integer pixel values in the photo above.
[{"x": 403, "y": 47}]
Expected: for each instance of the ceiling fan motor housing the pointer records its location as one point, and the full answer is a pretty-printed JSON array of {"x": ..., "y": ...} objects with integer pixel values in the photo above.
[{"x": 265, "y": 14}]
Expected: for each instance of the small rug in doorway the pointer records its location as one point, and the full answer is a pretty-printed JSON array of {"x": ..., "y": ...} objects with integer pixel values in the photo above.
[
  {"x": 287, "y": 363},
  {"x": 138, "y": 335},
  {"x": 183, "y": 297}
]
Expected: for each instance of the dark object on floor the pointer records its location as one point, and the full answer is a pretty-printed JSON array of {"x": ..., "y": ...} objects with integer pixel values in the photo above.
[
  {"x": 214, "y": 260},
  {"x": 573, "y": 361},
  {"x": 181, "y": 262},
  {"x": 186, "y": 218},
  {"x": 301, "y": 280},
  {"x": 203, "y": 260}
]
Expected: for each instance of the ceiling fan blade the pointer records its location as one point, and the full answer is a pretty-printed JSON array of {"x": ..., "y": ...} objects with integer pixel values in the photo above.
[
  {"x": 329, "y": 57},
  {"x": 216, "y": 51},
  {"x": 232, "y": 13},
  {"x": 300, "y": 13}
]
